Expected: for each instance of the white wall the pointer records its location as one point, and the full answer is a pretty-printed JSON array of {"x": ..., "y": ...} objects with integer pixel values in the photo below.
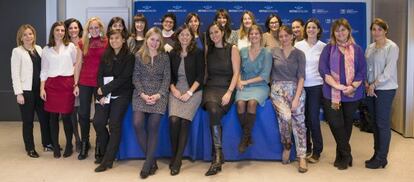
[{"x": 78, "y": 8}]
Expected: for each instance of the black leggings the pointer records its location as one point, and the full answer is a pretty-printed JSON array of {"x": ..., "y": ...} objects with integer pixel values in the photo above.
[
  {"x": 147, "y": 135},
  {"x": 178, "y": 135},
  {"x": 54, "y": 129}
]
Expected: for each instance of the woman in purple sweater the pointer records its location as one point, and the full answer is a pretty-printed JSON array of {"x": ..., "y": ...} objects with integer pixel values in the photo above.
[{"x": 343, "y": 68}]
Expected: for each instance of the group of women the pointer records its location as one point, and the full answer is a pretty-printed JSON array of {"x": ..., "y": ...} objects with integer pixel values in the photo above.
[{"x": 182, "y": 69}]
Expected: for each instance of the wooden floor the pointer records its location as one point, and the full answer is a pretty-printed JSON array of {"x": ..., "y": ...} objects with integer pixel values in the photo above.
[{"x": 16, "y": 166}]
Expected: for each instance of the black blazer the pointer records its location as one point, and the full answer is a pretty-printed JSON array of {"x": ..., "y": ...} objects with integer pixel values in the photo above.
[
  {"x": 194, "y": 67},
  {"x": 121, "y": 69}
]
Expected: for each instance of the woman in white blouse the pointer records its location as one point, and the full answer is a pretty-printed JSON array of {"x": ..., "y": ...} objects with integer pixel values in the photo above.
[
  {"x": 59, "y": 85},
  {"x": 381, "y": 86},
  {"x": 246, "y": 22},
  {"x": 25, "y": 71},
  {"x": 312, "y": 47}
]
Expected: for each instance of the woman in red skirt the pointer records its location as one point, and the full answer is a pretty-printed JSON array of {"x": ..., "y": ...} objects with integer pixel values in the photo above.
[{"x": 58, "y": 88}]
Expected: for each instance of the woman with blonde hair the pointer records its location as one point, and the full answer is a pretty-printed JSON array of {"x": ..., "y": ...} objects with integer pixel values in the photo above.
[
  {"x": 151, "y": 78},
  {"x": 94, "y": 44},
  {"x": 253, "y": 89},
  {"x": 25, "y": 72},
  {"x": 246, "y": 22}
]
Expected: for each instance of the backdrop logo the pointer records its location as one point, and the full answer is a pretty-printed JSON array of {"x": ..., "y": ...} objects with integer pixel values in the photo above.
[
  {"x": 206, "y": 9},
  {"x": 298, "y": 9},
  {"x": 177, "y": 9},
  {"x": 320, "y": 11},
  {"x": 236, "y": 9},
  {"x": 328, "y": 21},
  {"x": 268, "y": 9},
  {"x": 146, "y": 9}
]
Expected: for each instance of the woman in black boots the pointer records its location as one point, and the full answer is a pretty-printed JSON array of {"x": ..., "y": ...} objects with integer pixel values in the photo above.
[{"x": 223, "y": 66}]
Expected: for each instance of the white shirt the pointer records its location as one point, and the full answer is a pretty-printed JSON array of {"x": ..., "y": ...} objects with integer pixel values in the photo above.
[
  {"x": 59, "y": 63},
  {"x": 312, "y": 55},
  {"x": 241, "y": 43}
]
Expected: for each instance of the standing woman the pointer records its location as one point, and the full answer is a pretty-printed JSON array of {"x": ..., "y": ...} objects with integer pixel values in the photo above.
[
  {"x": 343, "y": 68},
  {"x": 58, "y": 88},
  {"x": 223, "y": 66},
  {"x": 222, "y": 17},
  {"x": 25, "y": 72},
  {"x": 253, "y": 89},
  {"x": 246, "y": 22},
  {"x": 187, "y": 76},
  {"x": 75, "y": 31},
  {"x": 138, "y": 32},
  {"x": 273, "y": 22},
  {"x": 288, "y": 96},
  {"x": 118, "y": 64},
  {"x": 151, "y": 79},
  {"x": 312, "y": 47},
  {"x": 168, "y": 23},
  {"x": 297, "y": 28},
  {"x": 381, "y": 85},
  {"x": 94, "y": 44},
  {"x": 193, "y": 21},
  {"x": 117, "y": 23}
]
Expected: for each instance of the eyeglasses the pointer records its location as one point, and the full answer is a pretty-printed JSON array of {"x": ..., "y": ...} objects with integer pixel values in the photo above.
[{"x": 273, "y": 22}]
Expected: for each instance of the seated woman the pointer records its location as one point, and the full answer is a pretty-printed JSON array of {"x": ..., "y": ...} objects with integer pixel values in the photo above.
[
  {"x": 151, "y": 79},
  {"x": 117, "y": 63},
  {"x": 187, "y": 76},
  {"x": 256, "y": 63},
  {"x": 223, "y": 66}
]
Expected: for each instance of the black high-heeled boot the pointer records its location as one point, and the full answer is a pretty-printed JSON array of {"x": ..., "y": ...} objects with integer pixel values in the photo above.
[
  {"x": 84, "y": 150},
  {"x": 218, "y": 157},
  {"x": 376, "y": 164}
]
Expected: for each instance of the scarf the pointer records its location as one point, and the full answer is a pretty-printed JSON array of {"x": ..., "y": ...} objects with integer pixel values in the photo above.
[{"x": 335, "y": 62}]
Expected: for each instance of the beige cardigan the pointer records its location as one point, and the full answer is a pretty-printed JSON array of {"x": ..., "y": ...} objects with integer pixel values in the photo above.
[{"x": 22, "y": 69}]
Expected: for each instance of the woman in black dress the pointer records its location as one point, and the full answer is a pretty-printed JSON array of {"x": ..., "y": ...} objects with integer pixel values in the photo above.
[{"x": 223, "y": 67}]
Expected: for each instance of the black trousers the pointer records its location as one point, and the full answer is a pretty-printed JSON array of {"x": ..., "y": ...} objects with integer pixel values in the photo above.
[
  {"x": 85, "y": 99},
  {"x": 33, "y": 103},
  {"x": 112, "y": 113},
  {"x": 340, "y": 123},
  {"x": 314, "y": 141}
]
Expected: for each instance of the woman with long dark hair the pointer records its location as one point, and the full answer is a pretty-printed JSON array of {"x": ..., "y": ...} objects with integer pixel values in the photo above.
[
  {"x": 187, "y": 76},
  {"x": 223, "y": 67},
  {"x": 58, "y": 88}
]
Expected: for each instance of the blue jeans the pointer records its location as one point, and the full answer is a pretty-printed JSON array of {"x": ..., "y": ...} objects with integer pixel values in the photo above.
[
  {"x": 380, "y": 110},
  {"x": 312, "y": 111}
]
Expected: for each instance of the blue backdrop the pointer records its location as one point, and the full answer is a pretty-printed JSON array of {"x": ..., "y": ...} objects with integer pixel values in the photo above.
[{"x": 326, "y": 12}]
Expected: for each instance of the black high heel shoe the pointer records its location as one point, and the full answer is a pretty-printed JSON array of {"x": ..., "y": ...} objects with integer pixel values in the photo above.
[
  {"x": 342, "y": 165},
  {"x": 32, "y": 154},
  {"x": 144, "y": 174},
  {"x": 376, "y": 164},
  {"x": 175, "y": 169},
  {"x": 154, "y": 168},
  {"x": 68, "y": 151},
  {"x": 103, "y": 167}
]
